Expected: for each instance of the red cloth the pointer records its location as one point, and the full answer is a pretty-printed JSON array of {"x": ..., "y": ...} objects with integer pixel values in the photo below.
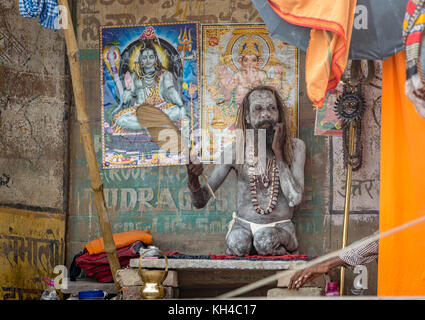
[
  {"x": 177, "y": 254},
  {"x": 285, "y": 257},
  {"x": 172, "y": 253},
  {"x": 97, "y": 266}
]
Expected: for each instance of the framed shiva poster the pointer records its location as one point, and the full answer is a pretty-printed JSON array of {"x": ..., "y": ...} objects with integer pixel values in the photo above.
[
  {"x": 236, "y": 58},
  {"x": 155, "y": 64}
]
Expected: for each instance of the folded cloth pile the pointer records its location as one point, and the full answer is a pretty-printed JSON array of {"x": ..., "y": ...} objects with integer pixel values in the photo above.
[
  {"x": 97, "y": 266},
  {"x": 121, "y": 240},
  {"x": 94, "y": 261}
]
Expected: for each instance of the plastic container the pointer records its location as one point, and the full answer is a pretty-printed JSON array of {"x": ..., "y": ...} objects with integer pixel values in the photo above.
[
  {"x": 91, "y": 295},
  {"x": 332, "y": 290}
]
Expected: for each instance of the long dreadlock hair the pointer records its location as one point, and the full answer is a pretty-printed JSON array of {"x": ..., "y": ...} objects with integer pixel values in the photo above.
[{"x": 288, "y": 152}]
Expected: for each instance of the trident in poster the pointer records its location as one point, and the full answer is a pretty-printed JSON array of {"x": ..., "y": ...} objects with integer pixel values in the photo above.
[
  {"x": 349, "y": 108},
  {"x": 185, "y": 44}
]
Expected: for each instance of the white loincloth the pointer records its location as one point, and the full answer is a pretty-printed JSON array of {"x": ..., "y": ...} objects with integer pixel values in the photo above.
[{"x": 254, "y": 226}]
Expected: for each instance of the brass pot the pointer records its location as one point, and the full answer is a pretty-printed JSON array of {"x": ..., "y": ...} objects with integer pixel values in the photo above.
[{"x": 152, "y": 287}]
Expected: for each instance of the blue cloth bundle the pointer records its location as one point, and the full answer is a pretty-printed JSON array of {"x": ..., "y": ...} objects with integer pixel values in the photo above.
[{"x": 48, "y": 11}]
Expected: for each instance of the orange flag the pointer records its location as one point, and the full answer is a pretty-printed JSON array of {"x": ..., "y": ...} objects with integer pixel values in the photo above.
[
  {"x": 327, "y": 54},
  {"x": 401, "y": 260}
]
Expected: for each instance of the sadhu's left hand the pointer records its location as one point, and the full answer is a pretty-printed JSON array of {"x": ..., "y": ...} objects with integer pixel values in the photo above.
[{"x": 278, "y": 141}]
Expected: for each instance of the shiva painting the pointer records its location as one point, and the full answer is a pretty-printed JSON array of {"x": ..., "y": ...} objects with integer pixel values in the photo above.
[
  {"x": 157, "y": 65},
  {"x": 236, "y": 58}
]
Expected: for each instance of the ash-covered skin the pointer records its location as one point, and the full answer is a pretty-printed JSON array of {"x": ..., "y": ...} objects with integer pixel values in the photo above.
[{"x": 277, "y": 240}]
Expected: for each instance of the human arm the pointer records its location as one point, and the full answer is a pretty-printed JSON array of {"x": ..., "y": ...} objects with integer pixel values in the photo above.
[
  {"x": 291, "y": 178},
  {"x": 200, "y": 194},
  {"x": 360, "y": 252},
  {"x": 303, "y": 276}
]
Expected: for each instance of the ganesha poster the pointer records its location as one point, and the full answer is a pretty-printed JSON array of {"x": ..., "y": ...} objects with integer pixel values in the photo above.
[
  {"x": 155, "y": 64},
  {"x": 236, "y": 58}
]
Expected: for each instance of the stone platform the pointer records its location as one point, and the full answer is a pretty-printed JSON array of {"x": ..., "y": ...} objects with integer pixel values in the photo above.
[
  {"x": 88, "y": 284},
  {"x": 204, "y": 278},
  {"x": 214, "y": 264},
  {"x": 301, "y": 292}
]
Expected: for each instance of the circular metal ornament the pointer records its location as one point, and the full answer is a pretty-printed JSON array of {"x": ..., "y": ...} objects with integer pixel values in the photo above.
[{"x": 349, "y": 107}]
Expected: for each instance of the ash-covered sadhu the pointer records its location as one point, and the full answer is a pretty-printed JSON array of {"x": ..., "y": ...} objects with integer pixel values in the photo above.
[{"x": 270, "y": 178}]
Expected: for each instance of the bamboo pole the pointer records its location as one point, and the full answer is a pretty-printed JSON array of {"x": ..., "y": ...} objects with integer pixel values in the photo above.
[
  {"x": 347, "y": 202},
  {"x": 84, "y": 122}
]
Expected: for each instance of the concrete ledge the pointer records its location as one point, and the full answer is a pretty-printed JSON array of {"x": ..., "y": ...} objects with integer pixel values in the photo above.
[
  {"x": 210, "y": 278},
  {"x": 206, "y": 264},
  {"x": 89, "y": 284},
  {"x": 302, "y": 292}
]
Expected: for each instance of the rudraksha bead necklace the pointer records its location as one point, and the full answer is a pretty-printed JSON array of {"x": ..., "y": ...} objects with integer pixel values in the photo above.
[{"x": 254, "y": 177}]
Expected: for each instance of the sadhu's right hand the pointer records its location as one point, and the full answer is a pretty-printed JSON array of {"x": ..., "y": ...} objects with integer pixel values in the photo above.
[{"x": 194, "y": 170}]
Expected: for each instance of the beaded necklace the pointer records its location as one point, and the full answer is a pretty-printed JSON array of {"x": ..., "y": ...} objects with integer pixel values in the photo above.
[
  {"x": 141, "y": 73},
  {"x": 254, "y": 177}
]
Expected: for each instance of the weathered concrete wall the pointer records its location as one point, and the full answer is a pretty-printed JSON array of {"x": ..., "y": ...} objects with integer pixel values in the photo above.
[
  {"x": 32, "y": 244},
  {"x": 33, "y": 125},
  {"x": 33, "y": 143},
  {"x": 156, "y": 198}
]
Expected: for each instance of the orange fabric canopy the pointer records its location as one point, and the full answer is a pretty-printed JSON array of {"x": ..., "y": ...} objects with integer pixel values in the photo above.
[
  {"x": 401, "y": 262},
  {"x": 121, "y": 240}
]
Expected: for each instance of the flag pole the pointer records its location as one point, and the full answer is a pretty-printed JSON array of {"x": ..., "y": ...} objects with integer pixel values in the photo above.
[{"x": 347, "y": 201}]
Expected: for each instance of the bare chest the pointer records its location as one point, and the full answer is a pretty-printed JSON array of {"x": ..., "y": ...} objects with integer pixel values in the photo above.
[{"x": 259, "y": 192}]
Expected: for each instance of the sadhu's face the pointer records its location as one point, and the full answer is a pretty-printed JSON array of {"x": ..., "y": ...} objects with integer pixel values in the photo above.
[{"x": 263, "y": 112}]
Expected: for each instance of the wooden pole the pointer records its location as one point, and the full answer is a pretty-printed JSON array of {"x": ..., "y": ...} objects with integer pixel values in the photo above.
[
  {"x": 84, "y": 121},
  {"x": 347, "y": 201}
]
